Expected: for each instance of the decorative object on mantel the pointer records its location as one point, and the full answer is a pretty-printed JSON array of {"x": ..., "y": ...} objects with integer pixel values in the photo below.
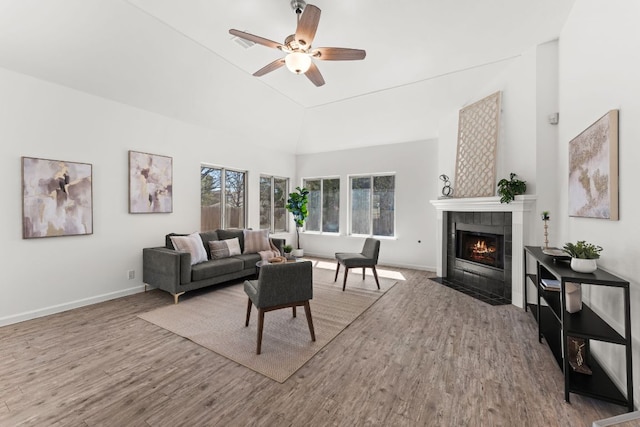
[
  {"x": 545, "y": 218},
  {"x": 508, "y": 189},
  {"x": 297, "y": 205},
  {"x": 478, "y": 129},
  {"x": 447, "y": 191},
  {"x": 583, "y": 256},
  {"x": 593, "y": 170},
  {"x": 578, "y": 354}
]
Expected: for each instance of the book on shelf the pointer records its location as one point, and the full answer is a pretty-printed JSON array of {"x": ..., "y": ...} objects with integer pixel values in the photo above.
[{"x": 550, "y": 284}]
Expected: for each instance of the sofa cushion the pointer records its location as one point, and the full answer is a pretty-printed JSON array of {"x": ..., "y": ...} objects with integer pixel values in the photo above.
[
  {"x": 249, "y": 260},
  {"x": 230, "y": 234},
  {"x": 214, "y": 268},
  {"x": 208, "y": 236},
  {"x": 256, "y": 241},
  {"x": 192, "y": 244}
]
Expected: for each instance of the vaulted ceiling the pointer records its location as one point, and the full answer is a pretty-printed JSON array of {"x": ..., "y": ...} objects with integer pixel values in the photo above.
[{"x": 425, "y": 59}]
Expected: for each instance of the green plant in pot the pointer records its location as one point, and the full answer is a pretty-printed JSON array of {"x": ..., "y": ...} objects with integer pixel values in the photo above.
[
  {"x": 287, "y": 250},
  {"x": 583, "y": 256},
  {"x": 508, "y": 189},
  {"x": 297, "y": 205}
]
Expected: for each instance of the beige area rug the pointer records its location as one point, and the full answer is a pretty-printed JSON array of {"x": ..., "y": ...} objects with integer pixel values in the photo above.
[{"x": 215, "y": 320}]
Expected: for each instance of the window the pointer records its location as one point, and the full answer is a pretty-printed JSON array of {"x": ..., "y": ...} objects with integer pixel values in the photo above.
[
  {"x": 373, "y": 205},
  {"x": 222, "y": 198},
  {"x": 324, "y": 205},
  {"x": 273, "y": 199}
]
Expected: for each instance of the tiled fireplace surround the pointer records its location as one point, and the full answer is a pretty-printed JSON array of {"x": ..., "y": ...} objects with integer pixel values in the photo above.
[{"x": 481, "y": 211}]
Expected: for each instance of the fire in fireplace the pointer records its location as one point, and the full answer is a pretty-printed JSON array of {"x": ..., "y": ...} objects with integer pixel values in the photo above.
[{"x": 482, "y": 248}]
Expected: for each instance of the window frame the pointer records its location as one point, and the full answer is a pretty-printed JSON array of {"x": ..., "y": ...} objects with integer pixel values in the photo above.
[
  {"x": 272, "y": 207},
  {"x": 223, "y": 193},
  {"x": 371, "y": 177},
  {"x": 322, "y": 179}
]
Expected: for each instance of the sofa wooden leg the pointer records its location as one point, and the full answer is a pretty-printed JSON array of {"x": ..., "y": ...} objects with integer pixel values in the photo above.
[{"x": 176, "y": 296}]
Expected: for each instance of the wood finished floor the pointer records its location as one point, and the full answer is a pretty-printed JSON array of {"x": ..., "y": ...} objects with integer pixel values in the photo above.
[{"x": 423, "y": 355}]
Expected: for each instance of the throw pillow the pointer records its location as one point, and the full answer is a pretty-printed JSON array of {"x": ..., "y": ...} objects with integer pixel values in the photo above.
[
  {"x": 256, "y": 241},
  {"x": 224, "y": 248},
  {"x": 192, "y": 244},
  {"x": 219, "y": 249},
  {"x": 234, "y": 246}
]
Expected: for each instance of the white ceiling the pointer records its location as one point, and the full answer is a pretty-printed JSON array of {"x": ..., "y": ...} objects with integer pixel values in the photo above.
[{"x": 425, "y": 59}]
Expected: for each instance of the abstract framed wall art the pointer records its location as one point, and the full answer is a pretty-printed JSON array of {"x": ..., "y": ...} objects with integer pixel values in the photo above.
[
  {"x": 57, "y": 198},
  {"x": 150, "y": 183},
  {"x": 593, "y": 170}
]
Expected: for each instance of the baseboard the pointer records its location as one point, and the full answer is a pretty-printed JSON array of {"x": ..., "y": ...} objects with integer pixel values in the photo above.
[{"x": 34, "y": 314}]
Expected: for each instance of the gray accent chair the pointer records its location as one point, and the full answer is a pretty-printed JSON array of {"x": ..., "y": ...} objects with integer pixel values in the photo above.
[
  {"x": 280, "y": 286},
  {"x": 368, "y": 258}
]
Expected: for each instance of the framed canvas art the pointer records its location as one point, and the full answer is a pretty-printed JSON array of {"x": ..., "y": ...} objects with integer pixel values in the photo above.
[
  {"x": 593, "y": 170},
  {"x": 57, "y": 198},
  {"x": 150, "y": 183}
]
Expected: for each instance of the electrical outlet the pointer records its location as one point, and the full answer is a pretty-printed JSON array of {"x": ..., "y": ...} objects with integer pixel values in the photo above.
[{"x": 131, "y": 274}]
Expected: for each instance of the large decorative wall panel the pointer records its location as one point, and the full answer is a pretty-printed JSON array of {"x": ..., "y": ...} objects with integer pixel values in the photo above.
[{"x": 478, "y": 128}]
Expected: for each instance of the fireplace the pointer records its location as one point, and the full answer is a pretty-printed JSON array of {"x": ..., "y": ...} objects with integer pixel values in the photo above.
[
  {"x": 482, "y": 248},
  {"x": 479, "y": 255},
  {"x": 512, "y": 220}
]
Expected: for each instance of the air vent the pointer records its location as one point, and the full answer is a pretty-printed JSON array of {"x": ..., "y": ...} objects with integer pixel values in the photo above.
[{"x": 242, "y": 42}]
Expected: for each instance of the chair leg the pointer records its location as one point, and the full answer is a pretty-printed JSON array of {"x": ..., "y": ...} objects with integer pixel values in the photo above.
[
  {"x": 294, "y": 310},
  {"x": 307, "y": 310},
  {"x": 346, "y": 271},
  {"x": 248, "y": 312},
  {"x": 363, "y": 269},
  {"x": 375, "y": 274},
  {"x": 260, "y": 325},
  {"x": 337, "y": 270}
]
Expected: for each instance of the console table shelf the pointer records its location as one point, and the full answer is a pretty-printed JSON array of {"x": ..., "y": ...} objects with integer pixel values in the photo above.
[{"x": 556, "y": 325}]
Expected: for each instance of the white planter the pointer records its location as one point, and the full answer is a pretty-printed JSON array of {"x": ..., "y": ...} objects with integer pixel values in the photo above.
[
  {"x": 583, "y": 265},
  {"x": 298, "y": 253}
]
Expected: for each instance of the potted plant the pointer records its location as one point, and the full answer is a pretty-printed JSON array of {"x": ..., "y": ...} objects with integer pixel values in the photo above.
[
  {"x": 508, "y": 189},
  {"x": 583, "y": 256},
  {"x": 297, "y": 205},
  {"x": 287, "y": 251}
]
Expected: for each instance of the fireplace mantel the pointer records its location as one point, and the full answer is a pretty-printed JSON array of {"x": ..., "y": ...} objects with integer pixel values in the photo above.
[{"x": 520, "y": 208}]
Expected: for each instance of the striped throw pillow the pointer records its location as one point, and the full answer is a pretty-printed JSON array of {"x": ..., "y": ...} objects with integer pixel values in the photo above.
[{"x": 256, "y": 241}]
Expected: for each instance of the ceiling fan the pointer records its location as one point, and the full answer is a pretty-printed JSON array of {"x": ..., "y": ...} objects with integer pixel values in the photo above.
[{"x": 298, "y": 46}]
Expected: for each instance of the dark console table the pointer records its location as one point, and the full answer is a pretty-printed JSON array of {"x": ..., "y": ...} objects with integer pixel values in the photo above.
[{"x": 556, "y": 325}]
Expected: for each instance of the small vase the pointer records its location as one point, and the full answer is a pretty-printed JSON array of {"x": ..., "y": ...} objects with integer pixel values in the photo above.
[{"x": 583, "y": 265}]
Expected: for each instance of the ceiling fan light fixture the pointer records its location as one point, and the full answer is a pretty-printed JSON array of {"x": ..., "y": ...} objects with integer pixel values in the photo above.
[{"x": 298, "y": 62}]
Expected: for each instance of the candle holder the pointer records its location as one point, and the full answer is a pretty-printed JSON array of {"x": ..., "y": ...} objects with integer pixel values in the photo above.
[{"x": 545, "y": 218}]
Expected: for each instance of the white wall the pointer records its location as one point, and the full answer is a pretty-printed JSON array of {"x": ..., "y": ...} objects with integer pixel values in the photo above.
[
  {"x": 599, "y": 61},
  {"x": 40, "y": 119},
  {"x": 415, "y": 167}
]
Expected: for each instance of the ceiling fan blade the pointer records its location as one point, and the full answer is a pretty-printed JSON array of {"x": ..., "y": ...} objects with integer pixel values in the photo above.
[
  {"x": 256, "y": 39},
  {"x": 269, "y": 67},
  {"x": 307, "y": 25},
  {"x": 314, "y": 74},
  {"x": 338, "y": 54}
]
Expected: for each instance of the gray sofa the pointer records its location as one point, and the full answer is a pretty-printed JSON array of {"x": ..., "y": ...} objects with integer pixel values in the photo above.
[{"x": 171, "y": 270}]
